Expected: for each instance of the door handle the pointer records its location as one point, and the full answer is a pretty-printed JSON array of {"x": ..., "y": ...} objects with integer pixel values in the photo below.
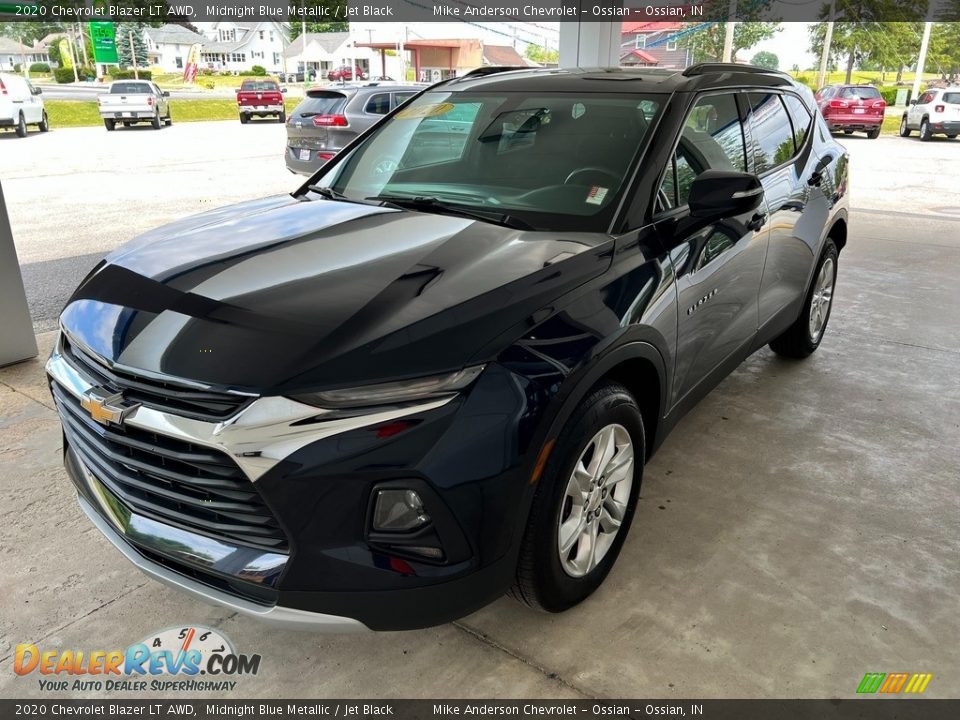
[{"x": 757, "y": 221}]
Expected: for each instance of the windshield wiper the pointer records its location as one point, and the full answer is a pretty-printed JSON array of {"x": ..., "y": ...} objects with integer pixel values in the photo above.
[
  {"x": 328, "y": 193},
  {"x": 427, "y": 203}
]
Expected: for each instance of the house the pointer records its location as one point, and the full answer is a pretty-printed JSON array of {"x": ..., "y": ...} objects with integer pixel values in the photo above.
[
  {"x": 238, "y": 46},
  {"x": 318, "y": 53},
  {"x": 503, "y": 55},
  {"x": 13, "y": 53},
  {"x": 169, "y": 45},
  {"x": 653, "y": 44}
]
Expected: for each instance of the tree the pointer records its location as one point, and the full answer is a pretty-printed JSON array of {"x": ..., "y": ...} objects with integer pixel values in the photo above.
[
  {"x": 124, "y": 56},
  {"x": 944, "y": 51},
  {"x": 318, "y": 27},
  {"x": 542, "y": 55},
  {"x": 707, "y": 44},
  {"x": 767, "y": 60}
]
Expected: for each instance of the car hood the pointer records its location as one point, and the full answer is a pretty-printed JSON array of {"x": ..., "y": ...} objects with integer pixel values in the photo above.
[{"x": 282, "y": 295}]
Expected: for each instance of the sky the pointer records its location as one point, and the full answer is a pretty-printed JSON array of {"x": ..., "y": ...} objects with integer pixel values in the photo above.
[{"x": 791, "y": 45}]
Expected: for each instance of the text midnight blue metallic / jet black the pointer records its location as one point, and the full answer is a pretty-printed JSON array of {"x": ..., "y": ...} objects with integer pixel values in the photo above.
[{"x": 433, "y": 373}]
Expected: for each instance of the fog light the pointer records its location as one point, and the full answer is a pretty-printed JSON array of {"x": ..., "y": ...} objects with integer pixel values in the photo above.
[{"x": 399, "y": 510}]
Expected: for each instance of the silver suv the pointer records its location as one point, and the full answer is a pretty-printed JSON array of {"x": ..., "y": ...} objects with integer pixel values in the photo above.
[{"x": 935, "y": 112}]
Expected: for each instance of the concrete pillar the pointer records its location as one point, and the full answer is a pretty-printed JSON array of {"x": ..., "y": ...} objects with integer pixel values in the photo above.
[
  {"x": 17, "y": 341},
  {"x": 589, "y": 44}
]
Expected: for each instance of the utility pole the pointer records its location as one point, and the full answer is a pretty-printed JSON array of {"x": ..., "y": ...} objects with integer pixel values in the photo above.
[
  {"x": 133, "y": 56},
  {"x": 23, "y": 59},
  {"x": 921, "y": 59},
  {"x": 73, "y": 58},
  {"x": 825, "y": 55},
  {"x": 728, "y": 34},
  {"x": 83, "y": 46}
]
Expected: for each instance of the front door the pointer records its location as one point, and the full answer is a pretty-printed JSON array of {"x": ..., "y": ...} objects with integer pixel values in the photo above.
[{"x": 719, "y": 266}]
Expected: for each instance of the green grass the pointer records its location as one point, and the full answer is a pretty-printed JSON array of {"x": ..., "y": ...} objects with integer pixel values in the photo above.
[
  {"x": 861, "y": 76},
  {"x": 78, "y": 113}
]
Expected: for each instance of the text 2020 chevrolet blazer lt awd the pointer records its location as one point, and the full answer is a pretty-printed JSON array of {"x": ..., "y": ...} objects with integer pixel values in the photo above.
[{"x": 433, "y": 374}]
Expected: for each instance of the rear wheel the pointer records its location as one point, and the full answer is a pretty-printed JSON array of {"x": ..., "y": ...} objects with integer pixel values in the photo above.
[
  {"x": 803, "y": 337},
  {"x": 282, "y": 117},
  {"x": 156, "y": 122},
  {"x": 873, "y": 134},
  {"x": 44, "y": 123},
  {"x": 244, "y": 119},
  {"x": 109, "y": 124},
  {"x": 584, "y": 502},
  {"x": 904, "y": 130},
  {"x": 925, "y": 133},
  {"x": 168, "y": 120},
  {"x": 848, "y": 132},
  {"x": 21, "y": 126}
]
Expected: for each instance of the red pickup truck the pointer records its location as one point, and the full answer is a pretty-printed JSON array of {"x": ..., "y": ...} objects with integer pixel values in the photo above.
[{"x": 260, "y": 98}]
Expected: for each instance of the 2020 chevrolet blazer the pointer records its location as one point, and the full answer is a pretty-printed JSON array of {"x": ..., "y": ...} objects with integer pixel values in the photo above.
[{"x": 433, "y": 373}]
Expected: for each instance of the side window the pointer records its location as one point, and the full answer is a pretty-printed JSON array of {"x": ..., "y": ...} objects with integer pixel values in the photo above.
[
  {"x": 400, "y": 98},
  {"x": 800, "y": 117},
  {"x": 378, "y": 104},
  {"x": 771, "y": 130},
  {"x": 711, "y": 139}
]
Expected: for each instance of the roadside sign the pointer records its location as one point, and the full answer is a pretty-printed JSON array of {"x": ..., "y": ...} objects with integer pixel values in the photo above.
[{"x": 104, "y": 40}]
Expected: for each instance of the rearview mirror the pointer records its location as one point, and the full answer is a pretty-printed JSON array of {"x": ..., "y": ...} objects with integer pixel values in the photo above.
[{"x": 717, "y": 194}]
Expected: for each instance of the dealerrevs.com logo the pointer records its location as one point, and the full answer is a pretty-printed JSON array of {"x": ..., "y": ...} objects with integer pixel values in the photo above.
[{"x": 184, "y": 659}]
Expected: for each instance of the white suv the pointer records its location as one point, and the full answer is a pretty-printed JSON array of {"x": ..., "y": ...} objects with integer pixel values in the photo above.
[
  {"x": 936, "y": 111},
  {"x": 21, "y": 105}
]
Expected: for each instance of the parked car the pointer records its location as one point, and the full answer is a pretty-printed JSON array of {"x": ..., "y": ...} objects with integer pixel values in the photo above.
[
  {"x": 435, "y": 372},
  {"x": 134, "y": 101},
  {"x": 300, "y": 76},
  {"x": 328, "y": 119},
  {"x": 260, "y": 98},
  {"x": 21, "y": 105},
  {"x": 346, "y": 73},
  {"x": 852, "y": 108},
  {"x": 935, "y": 112}
]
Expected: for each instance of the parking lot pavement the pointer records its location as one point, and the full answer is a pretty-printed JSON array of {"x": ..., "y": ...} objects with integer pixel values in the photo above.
[{"x": 796, "y": 530}]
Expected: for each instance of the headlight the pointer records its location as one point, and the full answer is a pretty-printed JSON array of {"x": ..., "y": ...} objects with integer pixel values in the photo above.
[{"x": 423, "y": 388}]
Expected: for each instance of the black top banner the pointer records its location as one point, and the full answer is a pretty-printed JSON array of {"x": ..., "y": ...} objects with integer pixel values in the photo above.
[{"x": 480, "y": 10}]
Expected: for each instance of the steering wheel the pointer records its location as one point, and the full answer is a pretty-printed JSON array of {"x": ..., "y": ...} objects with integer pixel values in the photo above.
[{"x": 602, "y": 171}]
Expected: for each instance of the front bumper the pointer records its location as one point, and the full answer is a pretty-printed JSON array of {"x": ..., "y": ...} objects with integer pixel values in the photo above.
[{"x": 317, "y": 474}]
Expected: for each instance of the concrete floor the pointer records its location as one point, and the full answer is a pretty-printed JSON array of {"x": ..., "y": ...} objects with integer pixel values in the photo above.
[{"x": 799, "y": 528}]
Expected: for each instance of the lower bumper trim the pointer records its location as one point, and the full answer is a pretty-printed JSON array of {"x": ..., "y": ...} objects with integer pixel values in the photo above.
[{"x": 289, "y": 618}]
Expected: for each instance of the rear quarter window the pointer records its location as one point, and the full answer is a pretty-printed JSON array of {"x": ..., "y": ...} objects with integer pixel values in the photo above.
[{"x": 952, "y": 98}]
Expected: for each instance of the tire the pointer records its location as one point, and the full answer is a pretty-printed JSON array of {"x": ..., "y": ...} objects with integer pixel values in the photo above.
[
  {"x": 21, "y": 126},
  {"x": 904, "y": 130},
  {"x": 44, "y": 123},
  {"x": 952, "y": 136},
  {"x": 244, "y": 119},
  {"x": 873, "y": 134},
  {"x": 168, "y": 120},
  {"x": 109, "y": 125},
  {"x": 156, "y": 123},
  {"x": 805, "y": 335},
  {"x": 925, "y": 133},
  {"x": 545, "y": 580},
  {"x": 848, "y": 132},
  {"x": 282, "y": 118}
]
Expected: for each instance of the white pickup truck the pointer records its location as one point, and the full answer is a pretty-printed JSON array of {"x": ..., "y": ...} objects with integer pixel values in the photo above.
[{"x": 134, "y": 101}]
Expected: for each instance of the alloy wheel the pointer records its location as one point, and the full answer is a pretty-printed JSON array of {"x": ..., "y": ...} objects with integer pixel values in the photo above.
[
  {"x": 595, "y": 500},
  {"x": 822, "y": 297}
]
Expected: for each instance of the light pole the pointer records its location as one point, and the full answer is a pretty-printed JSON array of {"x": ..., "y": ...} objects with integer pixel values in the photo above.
[
  {"x": 827, "y": 39},
  {"x": 921, "y": 59}
]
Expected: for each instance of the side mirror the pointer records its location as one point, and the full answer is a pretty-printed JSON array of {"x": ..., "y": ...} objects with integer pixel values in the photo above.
[
  {"x": 913, "y": 102},
  {"x": 717, "y": 194},
  {"x": 37, "y": 91},
  {"x": 166, "y": 93}
]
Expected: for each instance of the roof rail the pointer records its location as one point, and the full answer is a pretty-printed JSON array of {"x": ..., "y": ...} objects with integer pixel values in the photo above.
[
  {"x": 491, "y": 69},
  {"x": 715, "y": 67}
]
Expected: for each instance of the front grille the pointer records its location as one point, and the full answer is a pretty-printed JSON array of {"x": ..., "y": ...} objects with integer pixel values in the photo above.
[
  {"x": 164, "y": 396},
  {"x": 173, "y": 481}
]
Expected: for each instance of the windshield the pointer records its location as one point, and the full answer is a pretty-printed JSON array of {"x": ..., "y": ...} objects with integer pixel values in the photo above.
[{"x": 555, "y": 161}]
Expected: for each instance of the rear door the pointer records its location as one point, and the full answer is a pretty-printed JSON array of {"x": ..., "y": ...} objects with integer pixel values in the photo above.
[{"x": 718, "y": 267}]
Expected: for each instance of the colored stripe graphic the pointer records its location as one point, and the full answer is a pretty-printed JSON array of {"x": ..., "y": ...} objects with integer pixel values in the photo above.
[
  {"x": 871, "y": 682},
  {"x": 918, "y": 682},
  {"x": 894, "y": 682}
]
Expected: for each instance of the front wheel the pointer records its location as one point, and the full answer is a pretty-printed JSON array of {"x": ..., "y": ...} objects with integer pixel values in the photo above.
[
  {"x": 168, "y": 121},
  {"x": 803, "y": 337},
  {"x": 44, "y": 123},
  {"x": 925, "y": 133},
  {"x": 952, "y": 136},
  {"x": 584, "y": 502},
  {"x": 904, "y": 129}
]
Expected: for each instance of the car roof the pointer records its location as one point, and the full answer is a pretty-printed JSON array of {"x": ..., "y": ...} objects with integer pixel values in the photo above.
[{"x": 619, "y": 79}]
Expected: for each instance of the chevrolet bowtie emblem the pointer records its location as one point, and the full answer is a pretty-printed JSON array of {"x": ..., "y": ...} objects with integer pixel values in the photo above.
[{"x": 107, "y": 407}]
